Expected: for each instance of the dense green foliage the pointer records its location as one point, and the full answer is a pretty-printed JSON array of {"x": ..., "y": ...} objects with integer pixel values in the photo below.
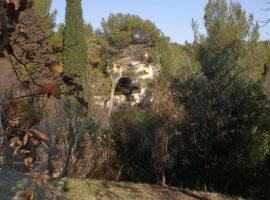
[
  {"x": 122, "y": 30},
  {"x": 204, "y": 120},
  {"x": 225, "y": 129},
  {"x": 132, "y": 131},
  {"x": 75, "y": 54},
  {"x": 170, "y": 56},
  {"x": 218, "y": 88},
  {"x": 228, "y": 27},
  {"x": 222, "y": 137},
  {"x": 42, "y": 7}
]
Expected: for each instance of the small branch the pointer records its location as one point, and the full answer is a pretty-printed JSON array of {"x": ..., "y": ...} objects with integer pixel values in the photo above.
[
  {"x": 15, "y": 71},
  {"x": 72, "y": 45},
  {"x": 265, "y": 22},
  {"x": 45, "y": 38},
  {"x": 26, "y": 96},
  {"x": 23, "y": 64}
]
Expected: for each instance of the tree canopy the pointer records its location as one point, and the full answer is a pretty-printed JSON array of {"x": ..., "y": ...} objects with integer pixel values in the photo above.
[{"x": 122, "y": 30}]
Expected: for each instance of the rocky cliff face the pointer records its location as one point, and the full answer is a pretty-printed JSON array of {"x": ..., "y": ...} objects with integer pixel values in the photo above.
[{"x": 130, "y": 77}]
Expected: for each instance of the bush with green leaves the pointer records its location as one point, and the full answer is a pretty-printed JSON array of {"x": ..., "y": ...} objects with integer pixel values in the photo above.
[{"x": 132, "y": 130}]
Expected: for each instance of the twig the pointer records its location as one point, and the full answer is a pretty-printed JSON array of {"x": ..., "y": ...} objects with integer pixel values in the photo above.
[
  {"x": 265, "y": 22},
  {"x": 26, "y": 96},
  {"x": 72, "y": 45},
  {"x": 42, "y": 39},
  {"x": 20, "y": 62},
  {"x": 15, "y": 71}
]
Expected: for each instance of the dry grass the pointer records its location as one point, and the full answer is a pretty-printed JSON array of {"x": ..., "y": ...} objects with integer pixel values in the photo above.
[
  {"x": 12, "y": 185},
  {"x": 75, "y": 189}
]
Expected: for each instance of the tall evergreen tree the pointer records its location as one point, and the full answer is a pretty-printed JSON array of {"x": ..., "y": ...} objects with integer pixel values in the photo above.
[
  {"x": 42, "y": 8},
  {"x": 75, "y": 60},
  {"x": 224, "y": 130},
  {"x": 229, "y": 28},
  {"x": 75, "y": 54}
]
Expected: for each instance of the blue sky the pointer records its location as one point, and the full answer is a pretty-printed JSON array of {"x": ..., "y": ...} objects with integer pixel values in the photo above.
[{"x": 173, "y": 17}]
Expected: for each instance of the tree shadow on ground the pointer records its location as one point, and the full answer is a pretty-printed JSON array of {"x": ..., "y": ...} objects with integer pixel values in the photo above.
[{"x": 14, "y": 183}]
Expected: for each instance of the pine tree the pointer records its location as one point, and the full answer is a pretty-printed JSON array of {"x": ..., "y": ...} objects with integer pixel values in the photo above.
[
  {"x": 232, "y": 32},
  {"x": 75, "y": 54},
  {"x": 224, "y": 110}
]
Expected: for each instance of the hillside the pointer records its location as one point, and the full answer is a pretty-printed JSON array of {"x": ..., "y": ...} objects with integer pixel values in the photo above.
[
  {"x": 123, "y": 101},
  {"x": 93, "y": 189},
  {"x": 13, "y": 184},
  {"x": 130, "y": 77}
]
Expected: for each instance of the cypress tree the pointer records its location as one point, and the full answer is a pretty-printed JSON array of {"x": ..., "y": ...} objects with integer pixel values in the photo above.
[
  {"x": 75, "y": 54},
  {"x": 42, "y": 8},
  {"x": 75, "y": 60}
]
